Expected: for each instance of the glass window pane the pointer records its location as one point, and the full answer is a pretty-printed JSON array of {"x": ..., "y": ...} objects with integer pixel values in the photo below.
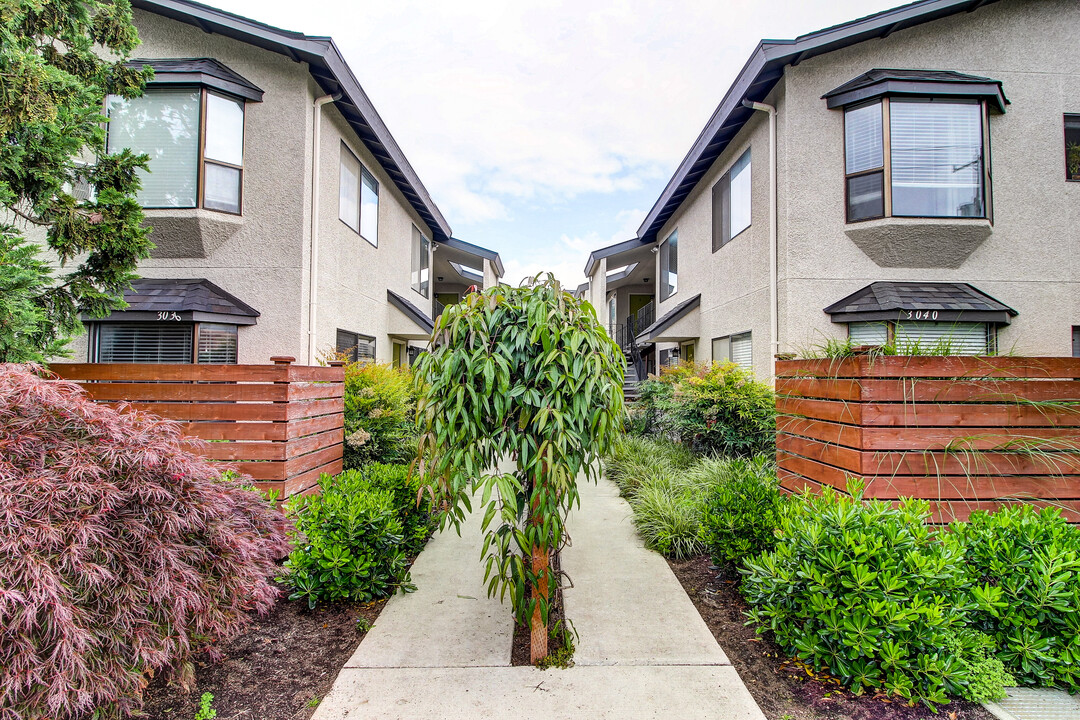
[
  {"x": 721, "y": 349},
  {"x": 144, "y": 343},
  {"x": 942, "y": 338},
  {"x": 421, "y": 262},
  {"x": 217, "y": 343},
  {"x": 740, "y": 194},
  {"x": 222, "y": 188},
  {"x": 936, "y": 159},
  {"x": 369, "y": 207},
  {"x": 1072, "y": 147},
  {"x": 863, "y": 147},
  {"x": 349, "y": 190},
  {"x": 868, "y": 333},
  {"x": 669, "y": 266},
  {"x": 742, "y": 350},
  {"x": 866, "y": 196},
  {"x": 224, "y": 129},
  {"x": 164, "y": 124}
]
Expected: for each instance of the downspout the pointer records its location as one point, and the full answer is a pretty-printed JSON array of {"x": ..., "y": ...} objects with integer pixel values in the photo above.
[
  {"x": 774, "y": 300},
  {"x": 313, "y": 257}
]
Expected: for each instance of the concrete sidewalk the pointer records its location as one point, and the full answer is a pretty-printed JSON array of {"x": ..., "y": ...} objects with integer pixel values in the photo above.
[{"x": 444, "y": 651}]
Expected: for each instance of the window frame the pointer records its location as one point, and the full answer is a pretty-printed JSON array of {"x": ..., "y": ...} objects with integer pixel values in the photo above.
[
  {"x": 721, "y": 203},
  {"x": 727, "y": 340},
  {"x": 424, "y": 256},
  {"x": 991, "y": 329},
  {"x": 201, "y": 160},
  {"x": 664, "y": 249},
  {"x": 885, "y": 170},
  {"x": 361, "y": 174},
  {"x": 1074, "y": 119},
  {"x": 357, "y": 338},
  {"x": 93, "y": 351}
]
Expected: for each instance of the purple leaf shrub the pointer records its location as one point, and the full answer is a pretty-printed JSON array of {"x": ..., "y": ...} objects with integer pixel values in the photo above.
[{"x": 122, "y": 553}]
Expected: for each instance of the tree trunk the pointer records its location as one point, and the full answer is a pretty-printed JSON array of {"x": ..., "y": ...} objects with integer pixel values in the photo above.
[{"x": 538, "y": 641}]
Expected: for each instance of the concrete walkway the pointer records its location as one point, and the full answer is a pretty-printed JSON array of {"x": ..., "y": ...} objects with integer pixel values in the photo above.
[{"x": 444, "y": 651}]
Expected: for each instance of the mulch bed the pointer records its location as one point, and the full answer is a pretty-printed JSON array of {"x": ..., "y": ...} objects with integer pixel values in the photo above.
[
  {"x": 782, "y": 688},
  {"x": 277, "y": 669},
  {"x": 519, "y": 655}
]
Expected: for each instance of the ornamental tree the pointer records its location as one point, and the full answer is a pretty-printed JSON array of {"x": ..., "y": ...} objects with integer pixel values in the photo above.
[
  {"x": 526, "y": 374},
  {"x": 53, "y": 83}
]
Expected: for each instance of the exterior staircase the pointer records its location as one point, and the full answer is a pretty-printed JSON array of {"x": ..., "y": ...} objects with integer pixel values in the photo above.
[{"x": 630, "y": 380}]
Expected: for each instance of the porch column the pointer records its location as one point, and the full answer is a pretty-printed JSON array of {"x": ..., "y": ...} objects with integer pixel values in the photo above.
[
  {"x": 491, "y": 278},
  {"x": 598, "y": 292}
]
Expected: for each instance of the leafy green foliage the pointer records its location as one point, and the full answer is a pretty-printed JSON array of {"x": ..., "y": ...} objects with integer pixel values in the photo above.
[
  {"x": 206, "y": 709},
  {"x": 413, "y": 506},
  {"x": 717, "y": 409},
  {"x": 525, "y": 373},
  {"x": 635, "y": 461},
  {"x": 743, "y": 510},
  {"x": 348, "y": 542},
  {"x": 869, "y": 593},
  {"x": 55, "y": 80},
  {"x": 1026, "y": 585},
  {"x": 380, "y": 414}
]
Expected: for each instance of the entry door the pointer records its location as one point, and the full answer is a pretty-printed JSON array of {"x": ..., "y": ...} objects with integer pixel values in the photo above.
[{"x": 400, "y": 356}]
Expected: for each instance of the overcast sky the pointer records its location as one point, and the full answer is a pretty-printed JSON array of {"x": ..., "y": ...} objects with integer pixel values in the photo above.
[{"x": 544, "y": 130}]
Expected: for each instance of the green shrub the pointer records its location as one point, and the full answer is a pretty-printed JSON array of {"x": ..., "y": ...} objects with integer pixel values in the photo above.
[
  {"x": 667, "y": 514},
  {"x": 413, "y": 508},
  {"x": 380, "y": 412},
  {"x": 717, "y": 409},
  {"x": 348, "y": 542},
  {"x": 742, "y": 511},
  {"x": 635, "y": 461},
  {"x": 1025, "y": 567},
  {"x": 870, "y": 594}
]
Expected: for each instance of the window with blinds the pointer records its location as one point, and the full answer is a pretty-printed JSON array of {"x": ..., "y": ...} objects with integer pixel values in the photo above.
[
  {"x": 944, "y": 338},
  {"x": 931, "y": 151},
  {"x": 868, "y": 333},
  {"x": 669, "y": 266},
  {"x": 354, "y": 346},
  {"x": 217, "y": 344},
  {"x": 734, "y": 348},
  {"x": 144, "y": 343}
]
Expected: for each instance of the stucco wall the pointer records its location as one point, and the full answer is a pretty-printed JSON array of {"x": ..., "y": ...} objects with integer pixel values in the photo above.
[{"x": 1030, "y": 259}]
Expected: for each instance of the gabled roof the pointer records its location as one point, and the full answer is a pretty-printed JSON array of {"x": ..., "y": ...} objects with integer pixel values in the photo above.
[
  {"x": 476, "y": 250},
  {"x": 879, "y": 82},
  {"x": 670, "y": 318},
  {"x": 202, "y": 71},
  {"x": 758, "y": 77},
  {"x": 195, "y": 299},
  {"x": 886, "y": 300},
  {"x": 411, "y": 311},
  {"x": 597, "y": 255},
  {"x": 333, "y": 75}
]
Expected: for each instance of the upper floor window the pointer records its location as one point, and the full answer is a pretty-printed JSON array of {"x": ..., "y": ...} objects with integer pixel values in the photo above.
[
  {"x": 1072, "y": 147},
  {"x": 195, "y": 140},
  {"x": 358, "y": 197},
  {"x": 915, "y": 157},
  {"x": 669, "y": 266},
  {"x": 421, "y": 262},
  {"x": 731, "y": 202}
]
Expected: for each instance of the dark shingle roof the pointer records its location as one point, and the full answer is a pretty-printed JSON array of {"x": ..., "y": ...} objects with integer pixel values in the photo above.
[
  {"x": 669, "y": 318},
  {"x": 414, "y": 313},
  {"x": 195, "y": 295},
  {"x": 205, "y": 71},
  {"x": 881, "y": 81},
  {"x": 892, "y": 297}
]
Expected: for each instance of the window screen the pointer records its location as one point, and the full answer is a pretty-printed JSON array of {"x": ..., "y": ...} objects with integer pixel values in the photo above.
[
  {"x": 952, "y": 338},
  {"x": 144, "y": 343},
  {"x": 217, "y": 343}
]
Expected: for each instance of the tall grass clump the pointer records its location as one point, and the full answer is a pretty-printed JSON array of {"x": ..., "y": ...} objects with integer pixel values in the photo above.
[{"x": 123, "y": 552}]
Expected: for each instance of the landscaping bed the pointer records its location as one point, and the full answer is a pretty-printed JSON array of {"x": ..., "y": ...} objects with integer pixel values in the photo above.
[
  {"x": 278, "y": 669},
  {"x": 784, "y": 689}
]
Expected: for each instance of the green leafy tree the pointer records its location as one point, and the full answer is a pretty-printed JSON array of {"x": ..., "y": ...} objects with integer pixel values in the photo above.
[
  {"x": 527, "y": 374},
  {"x": 53, "y": 83}
]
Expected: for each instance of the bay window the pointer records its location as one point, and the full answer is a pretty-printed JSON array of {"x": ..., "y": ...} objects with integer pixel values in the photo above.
[
  {"x": 168, "y": 342},
  {"x": 915, "y": 157},
  {"x": 194, "y": 138}
]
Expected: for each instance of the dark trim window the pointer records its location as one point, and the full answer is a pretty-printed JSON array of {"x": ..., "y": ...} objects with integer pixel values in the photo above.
[
  {"x": 421, "y": 262},
  {"x": 354, "y": 346},
  {"x": 177, "y": 343},
  {"x": 916, "y": 157},
  {"x": 358, "y": 197},
  {"x": 195, "y": 140},
  {"x": 731, "y": 204},
  {"x": 1072, "y": 147},
  {"x": 734, "y": 348},
  {"x": 1076, "y": 341},
  {"x": 669, "y": 266}
]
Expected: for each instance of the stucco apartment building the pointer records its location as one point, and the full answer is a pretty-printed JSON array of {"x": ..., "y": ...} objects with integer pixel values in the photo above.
[
  {"x": 904, "y": 177},
  {"x": 286, "y": 218}
]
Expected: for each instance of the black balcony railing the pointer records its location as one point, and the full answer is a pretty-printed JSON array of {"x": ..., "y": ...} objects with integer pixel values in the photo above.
[{"x": 644, "y": 317}]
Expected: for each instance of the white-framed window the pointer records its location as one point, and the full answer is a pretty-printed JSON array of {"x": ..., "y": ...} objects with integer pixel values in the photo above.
[
  {"x": 734, "y": 348},
  {"x": 355, "y": 346},
  {"x": 915, "y": 157},
  {"x": 175, "y": 343},
  {"x": 358, "y": 197},
  {"x": 669, "y": 266},
  {"x": 195, "y": 140},
  {"x": 731, "y": 204},
  {"x": 421, "y": 262}
]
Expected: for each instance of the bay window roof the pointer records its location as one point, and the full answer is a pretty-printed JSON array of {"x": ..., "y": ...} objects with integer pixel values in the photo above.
[
  {"x": 200, "y": 71},
  {"x": 948, "y": 301},
  {"x": 917, "y": 83},
  {"x": 191, "y": 299}
]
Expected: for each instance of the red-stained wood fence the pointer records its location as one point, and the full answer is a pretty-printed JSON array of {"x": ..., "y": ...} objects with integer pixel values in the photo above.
[
  {"x": 966, "y": 433},
  {"x": 282, "y": 424}
]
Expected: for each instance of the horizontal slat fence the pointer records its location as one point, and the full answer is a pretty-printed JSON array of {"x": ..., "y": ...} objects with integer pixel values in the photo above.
[
  {"x": 966, "y": 433},
  {"x": 282, "y": 424}
]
